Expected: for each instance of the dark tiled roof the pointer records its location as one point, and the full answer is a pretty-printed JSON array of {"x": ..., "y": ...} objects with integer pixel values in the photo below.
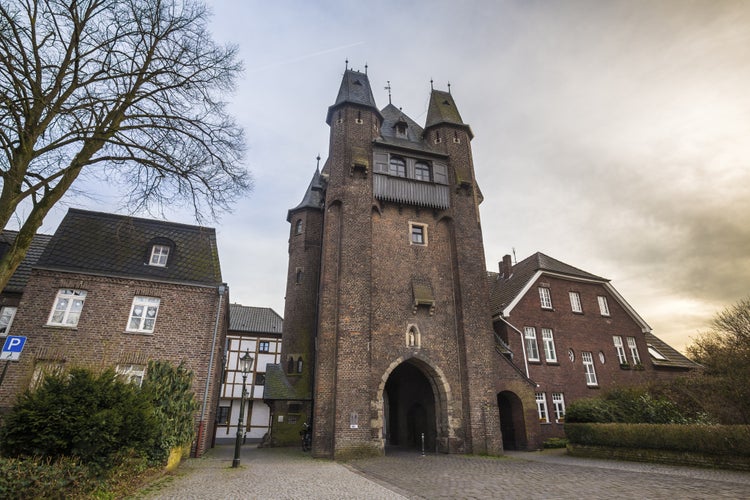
[
  {"x": 117, "y": 245},
  {"x": 355, "y": 89},
  {"x": 278, "y": 386},
  {"x": 442, "y": 109},
  {"x": 391, "y": 116},
  {"x": 674, "y": 358},
  {"x": 313, "y": 196},
  {"x": 21, "y": 276},
  {"x": 504, "y": 289},
  {"x": 254, "y": 319}
]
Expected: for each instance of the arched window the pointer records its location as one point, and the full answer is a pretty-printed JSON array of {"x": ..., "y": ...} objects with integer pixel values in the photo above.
[
  {"x": 290, "y": 365},
  {"x": 397, "y": 167},
  {"x": 299, "y": 364},
  {"x": 300, "y": 274},
  {"x": 422, "y": 171},
  {"x": 298, "y": 227}
]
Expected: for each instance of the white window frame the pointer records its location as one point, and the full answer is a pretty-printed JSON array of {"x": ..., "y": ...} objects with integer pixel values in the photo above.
[
  {"x": 634, "y": 351},
  {"x": 145, "y": 324},
  {"x": 545, "y": 297},
  {"x": 68, "y": 302},
  {"x": 603, "y": 305},
  {"x": 588, "y": 366},
  {"x": 575, "y": 302},
  {"x": 541, "y": 407},
  {"x": 532, "y": 350},
  {"x": 548, "y": 340},
  {"x": 558, "y": 406},
  {"x": 619, "y": 347},
  {"x": 131, "y": 373},
  {"x": 159, "y": 255},
  {"x": 7, "y": 314}
]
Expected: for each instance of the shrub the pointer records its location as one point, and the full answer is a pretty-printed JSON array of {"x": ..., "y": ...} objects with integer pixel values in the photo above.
[
  {"x": 22, "y": 478},
  {"x": 555, "y": 443},
  {"x": 589, "y": 410},
  {"x": 79, "y": 414},
  {"x": 629, "y": 405},
  {"x": 169, "y": 389}
]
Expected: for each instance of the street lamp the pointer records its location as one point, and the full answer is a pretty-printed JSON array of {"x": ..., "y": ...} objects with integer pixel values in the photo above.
[{"x": 246, "y": 364}]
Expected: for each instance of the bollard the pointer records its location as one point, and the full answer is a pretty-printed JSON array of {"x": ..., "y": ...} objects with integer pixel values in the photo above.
[{"x": 423, "y": 444}]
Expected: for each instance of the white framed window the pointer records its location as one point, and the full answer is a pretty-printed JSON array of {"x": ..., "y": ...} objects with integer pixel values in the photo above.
[
  {"x": 558, "y": 406},
  {"x": 634, "y": 351},
  {"x": 159, "y": 255},
  {"x": 541, "y": 407},
  {"x": 545, "y": 297},
  {"x": 143, "y": 314},
  {"x": 6, "y": 319},
  {"x": 131, "y": 373},
  {"x": 620, "y": 349},
  {"x": 588, "y": 366},
  {"x": 575, "y": 302},
  {"x": 549, "y": 345},
  {"x": 603, "y": 305},
  {"x": 417, "y": 233},
  {"x": 532, "y": 351},
  {"x": 67, "y": 308}
]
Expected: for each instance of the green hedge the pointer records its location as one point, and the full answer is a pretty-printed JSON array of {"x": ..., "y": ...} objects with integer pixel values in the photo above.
[{"x": 711, "y": 439}]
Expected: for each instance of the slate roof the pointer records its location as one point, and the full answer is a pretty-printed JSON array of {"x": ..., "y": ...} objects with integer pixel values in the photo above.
[
  {"x": 504, "y": 289},
  {"x": 254, "y": 319},
  {"x": 277, "y": 386},
  {"x": 442, "y": 109},
  {"x": 674, "y": 358},
  {"x": 355, "y": 89},
  {"x": 116, "y": 245},
  {"x": 19, "y": 279},
  {"x": 313, "y": 196}
]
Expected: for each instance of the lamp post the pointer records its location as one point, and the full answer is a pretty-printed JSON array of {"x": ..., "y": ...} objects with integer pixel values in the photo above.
[{"x": 246, "y": 364}]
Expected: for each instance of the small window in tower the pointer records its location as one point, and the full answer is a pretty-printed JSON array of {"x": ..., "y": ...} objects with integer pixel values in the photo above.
[
  {"x": 438, "y": 140},
  {"x": 418, "y": 233},
  {"x": 456, "y": 139},
  {"x": 299, "y": 274},
  {"x": 299, "y": 364},
  {"x": 298, "y": 227},
  {"x": 359, "y": 120}
]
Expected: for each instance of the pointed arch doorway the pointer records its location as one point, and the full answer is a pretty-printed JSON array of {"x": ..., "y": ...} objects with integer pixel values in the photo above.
[{"x": 410, "y": 408}]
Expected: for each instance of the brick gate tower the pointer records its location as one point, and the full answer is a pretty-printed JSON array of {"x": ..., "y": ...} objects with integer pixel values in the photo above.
[{"x": 388, "y": 337}]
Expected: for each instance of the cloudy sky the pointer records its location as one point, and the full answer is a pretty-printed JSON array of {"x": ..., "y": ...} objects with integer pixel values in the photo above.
[{"x": 611, "y": 135}]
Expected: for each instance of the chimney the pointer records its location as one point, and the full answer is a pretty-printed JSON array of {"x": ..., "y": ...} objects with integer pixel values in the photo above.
[{"x": 506, "y": 267}]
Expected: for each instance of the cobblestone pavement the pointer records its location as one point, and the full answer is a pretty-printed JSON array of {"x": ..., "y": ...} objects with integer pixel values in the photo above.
[{"x": 290, "y": 473}]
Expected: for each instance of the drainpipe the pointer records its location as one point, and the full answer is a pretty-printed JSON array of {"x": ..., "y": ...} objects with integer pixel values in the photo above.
[
  {"x": 523, "y": 344},
  {"x": 202, "y": 425}
]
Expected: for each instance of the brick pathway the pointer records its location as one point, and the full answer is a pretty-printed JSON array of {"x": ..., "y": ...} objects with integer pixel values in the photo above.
[{"x": 290, "y": 474}]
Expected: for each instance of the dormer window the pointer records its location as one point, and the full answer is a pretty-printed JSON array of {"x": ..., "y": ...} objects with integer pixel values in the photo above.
[
  {"x": 401, "y": 127},
  {"x": 159, "y": 252},
  {"x": 159, "y": 255}
]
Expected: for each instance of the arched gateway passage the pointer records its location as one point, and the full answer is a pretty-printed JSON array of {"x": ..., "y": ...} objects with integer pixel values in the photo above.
[
  {"x": 410, "y": 407},
  {"x": 512, "y": 422}
]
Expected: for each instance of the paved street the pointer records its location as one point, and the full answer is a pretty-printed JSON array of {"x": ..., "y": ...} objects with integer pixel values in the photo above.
[{"x": 292, "y": 474}]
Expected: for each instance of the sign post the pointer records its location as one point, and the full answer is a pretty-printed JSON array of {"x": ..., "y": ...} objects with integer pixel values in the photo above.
[{"x": 11, "y": 352}]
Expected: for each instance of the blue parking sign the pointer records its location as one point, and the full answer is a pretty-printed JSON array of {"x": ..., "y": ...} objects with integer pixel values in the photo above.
[{"x": 13, "y": 347}]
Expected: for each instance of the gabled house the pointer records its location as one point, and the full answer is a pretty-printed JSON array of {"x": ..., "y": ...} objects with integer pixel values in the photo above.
[
  {"x": 255, "y": 331},
  {"x": 573, "y": 335},
  {"x": 117, "y": 291}
]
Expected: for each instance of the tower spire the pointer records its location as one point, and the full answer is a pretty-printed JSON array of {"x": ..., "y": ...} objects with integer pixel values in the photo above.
[{"x": 388, "y": 88}]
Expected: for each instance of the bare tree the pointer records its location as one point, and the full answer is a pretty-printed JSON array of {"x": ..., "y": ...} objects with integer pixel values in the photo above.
[{"x": 128, "y": 90}]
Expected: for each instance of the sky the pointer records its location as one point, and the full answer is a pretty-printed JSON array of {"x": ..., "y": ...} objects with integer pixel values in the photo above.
[{"x": 610, "y": 135}]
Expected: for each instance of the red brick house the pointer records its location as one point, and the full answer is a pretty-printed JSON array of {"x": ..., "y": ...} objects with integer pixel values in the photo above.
[
  {"x": 573, "y": 335},
  {"x": 117, "y": 291}
]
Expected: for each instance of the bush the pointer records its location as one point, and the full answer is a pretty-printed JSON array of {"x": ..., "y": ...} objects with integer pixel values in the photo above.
[
  {"x": 22, "y": 478},
  {"x": 169, "y": 389},
  {"x": 628, "y": 405},
  {"x": 712, "y": 439},
  {"x": 80, "y": 414},
  {"x": 555, "y": 443}
]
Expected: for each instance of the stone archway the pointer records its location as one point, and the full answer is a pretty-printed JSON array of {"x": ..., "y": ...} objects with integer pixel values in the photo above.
[
  {"x": 512, "y": 421},
  {"x": 415, "y": 399}
]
